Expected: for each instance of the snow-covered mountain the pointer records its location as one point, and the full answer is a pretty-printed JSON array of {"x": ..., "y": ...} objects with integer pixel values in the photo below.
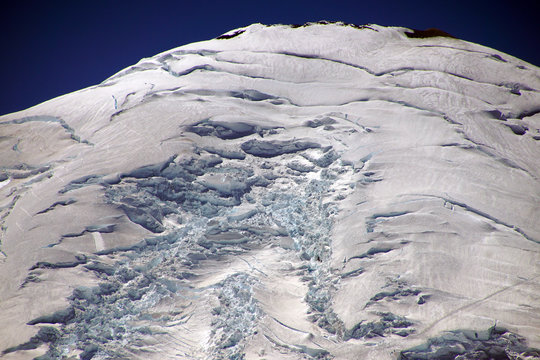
[{"x": 326, "y": 191}]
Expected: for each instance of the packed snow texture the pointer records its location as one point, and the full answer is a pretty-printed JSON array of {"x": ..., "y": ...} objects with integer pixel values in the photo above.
[{"x": 280, "y": 192}]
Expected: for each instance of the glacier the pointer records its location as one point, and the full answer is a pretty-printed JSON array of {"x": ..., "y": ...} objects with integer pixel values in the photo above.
[{"x": 325, "y": 191}]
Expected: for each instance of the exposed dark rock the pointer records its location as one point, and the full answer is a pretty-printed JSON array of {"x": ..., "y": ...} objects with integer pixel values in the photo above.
[
  {"x": 339, "y": 23},
  {"x": 431, "y": 32},
  {"x": 231, "y": 35},
  {"x": 497, "y": 57}
]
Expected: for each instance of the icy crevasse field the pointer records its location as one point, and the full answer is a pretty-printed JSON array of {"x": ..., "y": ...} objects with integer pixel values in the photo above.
[{"x": 326, "y": 192}]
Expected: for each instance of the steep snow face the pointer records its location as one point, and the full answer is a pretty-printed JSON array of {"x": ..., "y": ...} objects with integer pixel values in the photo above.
[{"x": 327, "y": 191}]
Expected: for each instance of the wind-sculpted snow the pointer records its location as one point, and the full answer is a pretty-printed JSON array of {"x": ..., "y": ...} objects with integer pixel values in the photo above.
[{"x": 325, "y": 191}]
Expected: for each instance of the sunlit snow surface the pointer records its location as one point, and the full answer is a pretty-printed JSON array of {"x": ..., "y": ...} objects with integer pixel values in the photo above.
[{"x": 325, "y": 192}]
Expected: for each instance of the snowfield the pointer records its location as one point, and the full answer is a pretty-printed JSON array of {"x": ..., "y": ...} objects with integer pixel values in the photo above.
[{"x": 317, "y": 192}]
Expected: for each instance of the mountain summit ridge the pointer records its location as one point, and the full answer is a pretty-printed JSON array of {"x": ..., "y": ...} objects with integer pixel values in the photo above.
[{"x": 282, "y": 192}]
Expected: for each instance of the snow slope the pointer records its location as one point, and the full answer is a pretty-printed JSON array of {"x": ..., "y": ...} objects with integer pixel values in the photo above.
[{"x": 325, "y": 191}]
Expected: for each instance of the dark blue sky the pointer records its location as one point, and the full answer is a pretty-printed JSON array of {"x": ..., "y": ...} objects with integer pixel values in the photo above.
[{"x": 50, "y": 48}]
